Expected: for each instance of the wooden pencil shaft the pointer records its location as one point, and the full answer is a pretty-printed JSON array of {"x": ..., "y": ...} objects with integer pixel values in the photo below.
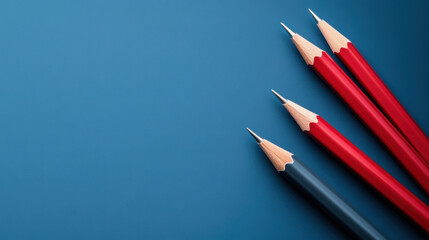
[{"x": 320, "y": 192}]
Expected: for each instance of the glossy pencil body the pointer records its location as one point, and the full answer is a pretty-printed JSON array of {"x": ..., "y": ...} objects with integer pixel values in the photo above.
[
  {"x": 373, "y": 118},
  {"x": 363, "y": 107},
  {"x": 339, "y": 146},
  {"x": 370, "y": 171},
  {"x": 385, "y": 99},
  {"x": 375, "y": 87},
  {"x": 291, "y": 168},
  {"x": 340, "y": 210}
]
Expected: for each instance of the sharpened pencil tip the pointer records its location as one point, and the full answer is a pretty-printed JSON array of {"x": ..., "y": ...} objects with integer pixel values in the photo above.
[
  {"x": 282, "y": 99},
  {"x": 254, "y": 135},
  {"x": 291, "y": 33},
  {"x": 315, "y": 16}
]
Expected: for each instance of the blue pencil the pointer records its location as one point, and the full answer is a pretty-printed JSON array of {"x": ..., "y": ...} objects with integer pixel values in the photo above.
[{"x": 290, "y": 167}]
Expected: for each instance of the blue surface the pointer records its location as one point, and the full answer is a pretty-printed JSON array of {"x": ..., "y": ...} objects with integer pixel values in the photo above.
[{"x": 126, "y": 119}]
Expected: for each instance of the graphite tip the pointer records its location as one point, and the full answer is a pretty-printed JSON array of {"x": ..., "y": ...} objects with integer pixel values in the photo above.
[
  {"x": 282, "y": 99},
  {"x": 254, "y": 135},
  {"x": 315, "y": 16},
  {"x": 291, "y": 33}
]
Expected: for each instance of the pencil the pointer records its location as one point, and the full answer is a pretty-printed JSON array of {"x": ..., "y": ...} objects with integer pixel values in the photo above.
[
  {"x": 290, "y": 167},
  {"x": 339, "y": 146},
  {"x": 364, "y": 108},
  {"x": 375, "y": 87}
]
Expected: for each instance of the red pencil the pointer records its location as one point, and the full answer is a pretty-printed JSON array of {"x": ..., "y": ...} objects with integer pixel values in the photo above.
[
  {"x": 359, "y": 162},
  {"x": 375, "y": 87},
  {"x": 350, "y": 93}
]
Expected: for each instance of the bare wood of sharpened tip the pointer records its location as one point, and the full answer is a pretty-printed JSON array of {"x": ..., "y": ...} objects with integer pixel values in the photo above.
[
  {"x": 278, "y": 156},
  {"x": 308, "y": 50},
  {"x": 335, "y": 40},
  {"x": 302, "y": 116}
]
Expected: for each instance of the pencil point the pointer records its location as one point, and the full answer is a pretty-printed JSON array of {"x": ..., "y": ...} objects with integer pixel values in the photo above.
[
  {"x": 254, "y": 135},
  {"x": 282, "y": 99},
  {"x": 315, "y": 16},
  {"x": 291, "y": 33}
]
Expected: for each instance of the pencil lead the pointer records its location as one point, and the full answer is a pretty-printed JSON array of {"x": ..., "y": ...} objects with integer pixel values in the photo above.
[
  {"x": 254, "y": 135},
  {"x": 291, "y": 33},
  {"x": 282, "y": 99},
  {"x": 315, "y": 16}
]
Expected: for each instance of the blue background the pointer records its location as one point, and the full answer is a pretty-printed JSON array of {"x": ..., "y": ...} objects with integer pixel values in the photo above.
[{"x": 126, "y": 119}]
